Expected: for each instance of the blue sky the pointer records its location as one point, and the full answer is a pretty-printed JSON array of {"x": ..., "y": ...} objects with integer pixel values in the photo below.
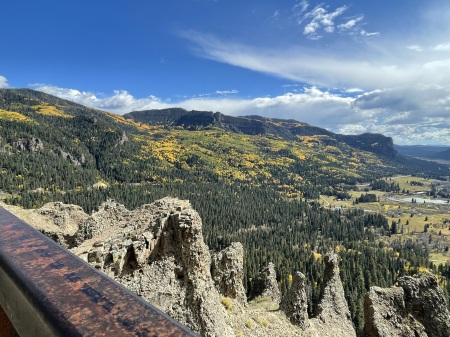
[{"x": 350, "y": 67}]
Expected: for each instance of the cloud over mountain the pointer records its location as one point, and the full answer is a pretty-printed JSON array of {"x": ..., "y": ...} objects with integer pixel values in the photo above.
[
  {"x": 3, "y": 82},
  {"x": 408, "y": 115}
]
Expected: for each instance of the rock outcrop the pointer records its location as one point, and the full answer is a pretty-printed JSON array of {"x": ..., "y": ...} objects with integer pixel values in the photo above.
[
  {"x": 110, "y": 215},
  {"x": 227, "y": 270},
  {"x": 65, "y": 218},
  {"x": 70, "y": 157},
  {"x": 332, "y": 316},
  {"x": 425, "y": 300},
  {"x": 386, "y": 315},
  {"x": 158, "y": 252},
  {"x": 29, "y": 144},
  {"x": 416, "y": 308},
  {"x": 266, "y": 285},
  {"x": 295, "y": 304}
]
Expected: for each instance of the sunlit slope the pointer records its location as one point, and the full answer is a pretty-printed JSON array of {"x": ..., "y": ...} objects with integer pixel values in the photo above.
[{"x": 56, "y": 145}]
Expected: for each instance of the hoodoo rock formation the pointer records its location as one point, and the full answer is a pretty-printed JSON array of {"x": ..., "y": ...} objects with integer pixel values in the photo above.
[
  {"x": 266, "y": 285},
  {"x": 158, "y": 252},
  {"x": 295, "y": 304},
  {"x": 227, "y": 270},
  {"x": 332, "y": 316}
]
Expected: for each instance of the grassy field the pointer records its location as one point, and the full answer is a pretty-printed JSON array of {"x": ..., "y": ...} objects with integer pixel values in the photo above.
[{"x": 412, "y": 218}]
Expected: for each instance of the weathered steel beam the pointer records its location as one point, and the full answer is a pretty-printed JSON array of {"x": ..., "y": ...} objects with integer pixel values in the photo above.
[{"x": 47, "y": 291}]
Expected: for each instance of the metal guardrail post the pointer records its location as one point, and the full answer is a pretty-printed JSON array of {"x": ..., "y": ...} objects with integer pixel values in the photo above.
[{"x": 45, "y": 291}]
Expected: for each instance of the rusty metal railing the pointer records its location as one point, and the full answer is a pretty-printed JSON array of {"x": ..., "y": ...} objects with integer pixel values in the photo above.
[{"x": 47, "y": 291}]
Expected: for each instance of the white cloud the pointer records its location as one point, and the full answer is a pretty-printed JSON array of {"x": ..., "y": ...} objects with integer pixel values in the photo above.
[
  {"x": 442, "y": 47},
  {"x": 318, "y": 18},
  {"x": 353, "y": 90},
  {"x": 420, "y": 114},
  {"x": 369, "y": 66},
  {"x": 302, "y": 6},
  {"x": 415, "y": 47},
  {"x": 3, "y": 82},
  {"x": 119, "y": 102},
  {"x": 350, "y": 24},
  {"x": 226, "y": 92},
  {"x": 362, "y": 32}
]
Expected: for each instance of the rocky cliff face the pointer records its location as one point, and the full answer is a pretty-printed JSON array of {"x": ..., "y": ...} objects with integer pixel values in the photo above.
[
  {"x": 158, "y": 252},
  {"x": 416, "y": 307},
  {"x": 386, "y": 315}
]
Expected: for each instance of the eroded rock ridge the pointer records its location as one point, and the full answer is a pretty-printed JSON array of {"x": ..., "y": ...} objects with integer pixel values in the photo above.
[{"x": 158, "y": 252}]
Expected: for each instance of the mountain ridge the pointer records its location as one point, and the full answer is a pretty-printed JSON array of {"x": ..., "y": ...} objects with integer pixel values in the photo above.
[
  {"x": 290, "y": 129},
  {"x": 424, "y": 151},
  {"x": 58, "y": 146}
]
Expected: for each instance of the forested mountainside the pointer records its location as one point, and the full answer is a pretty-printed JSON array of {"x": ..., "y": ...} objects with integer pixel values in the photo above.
[
  {"x": 289, "y": 130},
  {"x": 442, "y": 155},
  {"x": 252, "y": 179}
]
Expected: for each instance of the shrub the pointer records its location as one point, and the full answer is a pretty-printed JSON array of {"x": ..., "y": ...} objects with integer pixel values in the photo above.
[{"x": 226, "y": 302}]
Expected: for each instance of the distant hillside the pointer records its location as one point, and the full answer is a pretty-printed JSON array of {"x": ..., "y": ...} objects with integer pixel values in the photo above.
[
  {"x": 290, "y": 130},
  {"x": 422, "y": 151},
  {"x": 62, "y": 150},
  {"x": 442, "y": 155}
]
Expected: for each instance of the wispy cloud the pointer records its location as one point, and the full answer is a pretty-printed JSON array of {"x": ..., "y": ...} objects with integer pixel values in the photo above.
[
  {"x": 300, "y": 7},
  {"x": 351, "y": 24},
  {"x": 321, "y": 20},
  {"x": 226, "y": 92},
  {"x": 389, "y": 66},
  {"x": 442, "y": 47},
  {"x": 3, "y": 82},
  {"x": 353, "y": 90},
  {"x": 415, "y": 47}
]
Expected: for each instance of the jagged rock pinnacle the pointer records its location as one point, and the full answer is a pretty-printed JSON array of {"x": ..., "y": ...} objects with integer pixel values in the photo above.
[
  {"x": 332, "y": 317},
  {"x": 294, "y": 304},
  {"x": 266, "y": 285},
  {"x": 227, "y": 270}
]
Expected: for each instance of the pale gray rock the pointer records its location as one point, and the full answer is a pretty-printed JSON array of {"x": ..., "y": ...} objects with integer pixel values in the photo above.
[
  {"x": 32, "y": 144},
  {"x": 158, "y": 252},
  {"x": 70, "y": 157},
  {"x": 266, "y": 285},
  {"x": 386, "y": 316},
  {"x": 425, "y": 301},
  {"x": 295, "y": 304},
  {"x": 110, "y": 215},
  {"x": 227, "y": 270},
  {"x": 332, "y": 316},
  {"x": 417, "y": 308},
  {"x": 63, "y": 220}
]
